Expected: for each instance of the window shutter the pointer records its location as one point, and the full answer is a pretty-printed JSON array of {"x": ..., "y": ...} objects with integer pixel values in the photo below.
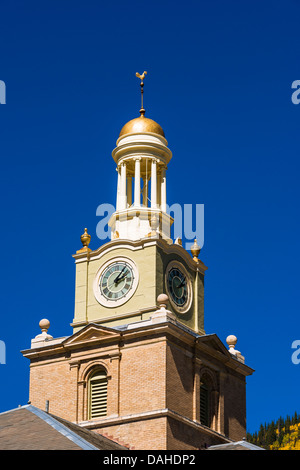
[
  {"x": 204, "y": 405},
  {"x": 98, "y": 395}
]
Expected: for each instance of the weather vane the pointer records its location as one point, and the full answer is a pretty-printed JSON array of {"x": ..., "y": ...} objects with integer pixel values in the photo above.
[{"x": 142, "y": 111}]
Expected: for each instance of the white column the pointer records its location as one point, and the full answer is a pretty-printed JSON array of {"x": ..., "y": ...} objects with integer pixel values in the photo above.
[
  {"x": 129, "y": 191},
  {"x": 158, "y": 187},
  {"x": 163, "y": 188},
  {"x": 153, "y": 184},
  {"x": 118, "y": 190},
  {"x": 123, "y": 187},
  {"x": 145, "y": 192},
  {"x": 137, "y": 182}
]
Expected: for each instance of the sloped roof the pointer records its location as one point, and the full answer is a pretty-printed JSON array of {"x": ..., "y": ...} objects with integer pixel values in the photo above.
[
  {"x": 29, "y": 428},
  {"x": 238, "y": 445}
]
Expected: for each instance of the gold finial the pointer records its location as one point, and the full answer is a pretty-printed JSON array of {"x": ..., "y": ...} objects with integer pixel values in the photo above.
[
  {"x": 195, "y": 250},
  {"x": 142, "y": 111},
  {"x": 85, "y": 240}
]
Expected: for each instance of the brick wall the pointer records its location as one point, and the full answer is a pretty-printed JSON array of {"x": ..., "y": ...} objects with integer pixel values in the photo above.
[
  {"x": 234, "y": 389},
  {"x": 54, "y": 381},
  {"x": 147, "y": 434},
  {"x": 153, "y": 389},
  {"x": 180, "y": 380}
]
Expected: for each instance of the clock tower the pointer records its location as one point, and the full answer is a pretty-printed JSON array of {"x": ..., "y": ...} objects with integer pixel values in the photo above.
[
  {"x": 139, "y": 365},
  {"x": 119, "y": 282}
]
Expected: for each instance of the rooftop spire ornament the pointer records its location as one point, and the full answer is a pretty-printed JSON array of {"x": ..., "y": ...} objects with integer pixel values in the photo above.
[
  {"x": 142, "y": 110},
  {"x": 85, "y": 240},
  {"x": 195, "y": 250}
]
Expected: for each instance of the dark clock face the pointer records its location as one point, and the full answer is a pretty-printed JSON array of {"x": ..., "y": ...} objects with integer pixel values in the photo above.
[
  {"x": 178, "y": 286},
  {"x": 116, "y": 280}
]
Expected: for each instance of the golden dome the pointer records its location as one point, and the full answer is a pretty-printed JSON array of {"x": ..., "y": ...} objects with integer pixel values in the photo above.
[{"x": 141, "y": 125}]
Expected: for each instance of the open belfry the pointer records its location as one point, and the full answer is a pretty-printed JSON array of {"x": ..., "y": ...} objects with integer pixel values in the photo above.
[{"x": 139, "y": 366}]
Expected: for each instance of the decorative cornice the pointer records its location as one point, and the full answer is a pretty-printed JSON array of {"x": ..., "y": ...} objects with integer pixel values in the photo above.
[
  {"x": 139, "y": 245},
  {"x": 160, "y": 413},
  {"x": 95, "y": 336},
  {"x": 142, "y": 148}
]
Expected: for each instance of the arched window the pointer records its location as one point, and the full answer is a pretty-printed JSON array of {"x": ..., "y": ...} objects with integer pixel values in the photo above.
[{"x": 98, "y": 394}]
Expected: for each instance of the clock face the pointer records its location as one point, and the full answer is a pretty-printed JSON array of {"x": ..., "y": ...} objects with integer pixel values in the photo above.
[
  {"x": 178, "y": 286},
  {"x": 115, "y": 282}
]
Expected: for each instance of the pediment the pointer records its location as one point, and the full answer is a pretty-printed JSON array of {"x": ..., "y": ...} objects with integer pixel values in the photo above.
[
  {"x": 90, "y": 334},
  {"x": 213, "y": 346},
  {"x": 213, "y": 343}
]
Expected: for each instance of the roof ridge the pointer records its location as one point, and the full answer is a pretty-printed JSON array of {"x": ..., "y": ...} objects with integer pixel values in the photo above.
[
  {"x": 61, "y": 428},
  {"x": 13, "y": 409}
]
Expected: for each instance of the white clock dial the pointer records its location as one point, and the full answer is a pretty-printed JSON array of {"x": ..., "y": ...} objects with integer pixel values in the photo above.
[{"x": 116, "y": 282}]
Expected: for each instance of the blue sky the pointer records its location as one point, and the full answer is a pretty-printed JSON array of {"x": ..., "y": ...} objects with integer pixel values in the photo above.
[{"x": 219, "y": 83}]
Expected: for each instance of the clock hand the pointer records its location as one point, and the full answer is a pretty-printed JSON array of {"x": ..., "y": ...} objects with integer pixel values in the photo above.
[
  {"x": 181, "y": 283},
  {"x": 118, "y": 277},
  {"x": 109, "y": 285},
  {"x": 115, "y": 281},
  {"x": 121, "y": 278}
]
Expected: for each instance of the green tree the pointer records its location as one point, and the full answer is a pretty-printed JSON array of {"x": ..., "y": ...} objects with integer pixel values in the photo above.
[
  {"x": 280, "y": 437},
  {"x": 277, "y": 434},
  {"x": 261, "y": 436},
  {"x": 280, "y": 424},
  {"x": 287, "y": 425},
  {"x": 295, "y": 418},
  {"x": 271, "y": 435}
]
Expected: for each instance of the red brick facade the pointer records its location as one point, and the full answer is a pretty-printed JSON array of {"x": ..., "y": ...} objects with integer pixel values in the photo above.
[{"x": 153, "y": 390}]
